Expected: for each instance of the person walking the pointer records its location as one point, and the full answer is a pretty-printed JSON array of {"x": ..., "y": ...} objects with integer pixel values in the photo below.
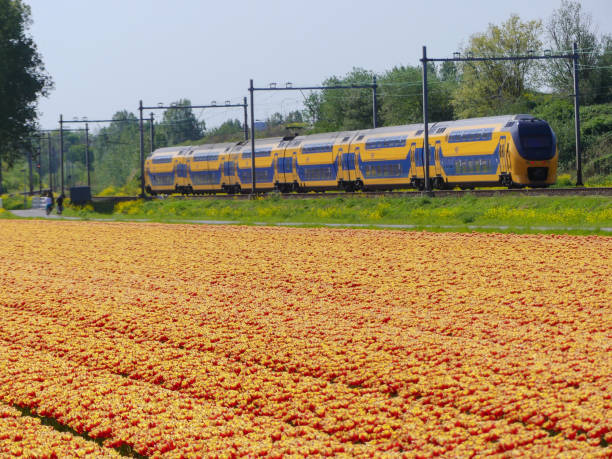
[
  {"x": 48, "y": 203},
  {"x": 60, "y": 204}
]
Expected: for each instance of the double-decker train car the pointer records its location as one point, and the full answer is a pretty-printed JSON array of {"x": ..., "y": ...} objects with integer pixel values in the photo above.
[
  {"x": 265, "y": 165},
  {"x": 511, "y": 150},
  {"x": 166, "y": 171},
  {"x": 209, "y": 169}
]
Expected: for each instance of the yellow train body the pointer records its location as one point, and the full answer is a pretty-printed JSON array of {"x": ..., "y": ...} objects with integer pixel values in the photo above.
[{"x": 511, "y": 150}]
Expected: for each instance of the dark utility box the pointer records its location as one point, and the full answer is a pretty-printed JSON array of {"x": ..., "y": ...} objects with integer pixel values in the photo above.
[{"x": 80, "y": 195}]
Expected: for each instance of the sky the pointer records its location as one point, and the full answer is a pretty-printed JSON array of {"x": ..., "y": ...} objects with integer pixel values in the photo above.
[{"x": 106, "y": 55}]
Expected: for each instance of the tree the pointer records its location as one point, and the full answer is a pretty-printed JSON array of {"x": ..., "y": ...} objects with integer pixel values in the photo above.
[
  {"x": 230, "y": 130},
  {"x": 116, "y": 150},
  {"x": 342, "y": 109},
  {"x": 604, "y": 79},
  {"x": 402, "y": 96},
  {"x": 181, "y": 125},
  {"x": 22, "y": 79},
  {"x": 497, "y": 87},
  {"x": 567, "y": 25}
]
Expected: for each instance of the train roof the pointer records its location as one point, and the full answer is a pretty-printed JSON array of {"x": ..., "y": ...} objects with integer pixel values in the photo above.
[
  {"x": 334, "y": 137},
  {"x": 170, "y": 151},
  {"x": 211, "y": 147},
  {"x": 245, "y": 145}
]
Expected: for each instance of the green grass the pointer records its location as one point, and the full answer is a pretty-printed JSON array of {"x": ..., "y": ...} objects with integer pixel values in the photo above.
[
  {"x": 5, "y": 214},
  {"x": 14, "y": 202},
  {"x": 519, "y": 214}
]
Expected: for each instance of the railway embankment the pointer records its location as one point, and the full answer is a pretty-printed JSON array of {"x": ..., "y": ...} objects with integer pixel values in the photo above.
[{"x": 509, "y": 213}]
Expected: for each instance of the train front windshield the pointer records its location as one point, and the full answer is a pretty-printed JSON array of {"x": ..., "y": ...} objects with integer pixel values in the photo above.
[{"x": 537, "y": 141}]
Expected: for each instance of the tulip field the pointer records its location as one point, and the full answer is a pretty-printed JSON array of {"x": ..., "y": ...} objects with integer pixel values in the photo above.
[{"x": 157, "y": 340}]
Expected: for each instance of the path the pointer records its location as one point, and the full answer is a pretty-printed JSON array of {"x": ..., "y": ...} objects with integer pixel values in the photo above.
[{"x": 40, "y": 213}]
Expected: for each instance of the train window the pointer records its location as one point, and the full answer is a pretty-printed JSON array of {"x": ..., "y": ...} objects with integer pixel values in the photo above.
[
  {"x": 389, "y": 142},
  {"x": 162, "y": 159},
  {"x": 509, "y": 124},
  {"x": 360, "y": 137},
  {"x": 419, "y": 132},
  {"x": 261, "y": 153},
  {"x": 206, "y": 157},
  {"x": 471, "y": 135},
  {"x": 318, "y": 148},
  {"x": 439, "y": 131},
  {"x": 536, "y": 141},
  {"x": 345, "y": 139}
]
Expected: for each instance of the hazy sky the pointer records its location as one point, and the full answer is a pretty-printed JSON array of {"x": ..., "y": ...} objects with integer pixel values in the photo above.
[{"x": 106, "y": 55}]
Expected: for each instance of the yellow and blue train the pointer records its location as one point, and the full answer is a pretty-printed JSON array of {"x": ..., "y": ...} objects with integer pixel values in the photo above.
[{"x": 511, "y": 150}]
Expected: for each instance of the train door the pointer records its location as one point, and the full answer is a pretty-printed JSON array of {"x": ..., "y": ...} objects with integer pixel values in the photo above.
[
  {"x": 438, "y": 158},
  {"x": 294, "y": 168},
  {"x": 348, "y": 164},
  {"x": 503, "y": 157},
  {"x": 276, "y": 176},
  {"x": 224, "y": 178},
  {"x": 228, "y": 171},
  {"x": 175, "y": 173},
  {"x": 341, "y": 166}
]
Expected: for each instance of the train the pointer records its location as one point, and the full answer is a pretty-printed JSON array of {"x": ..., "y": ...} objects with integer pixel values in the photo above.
[{"x": 507, "y": 151}]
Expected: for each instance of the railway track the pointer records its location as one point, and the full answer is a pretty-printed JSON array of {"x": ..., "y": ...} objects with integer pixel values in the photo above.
[{"x": 601, "y": 191}]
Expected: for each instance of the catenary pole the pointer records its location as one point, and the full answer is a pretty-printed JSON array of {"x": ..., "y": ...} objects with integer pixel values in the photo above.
[
  {"x": 252, "y": 91},
  {"x": 141, "y": 151},
  {"x": 50, "y": 162},
  {"x": 374, "y": 103},
  {"x": 577, "y": 118},
  {"x": 30, "y": 171},
  {"x": 246, "y": 120},
  {"x": 61, "y": 123},
  {"x": 87, "y": 165},
  {"x": 152, "y": 133},
  {"x": 39, "y": 166},
  {"x": 425, "y": 121}
]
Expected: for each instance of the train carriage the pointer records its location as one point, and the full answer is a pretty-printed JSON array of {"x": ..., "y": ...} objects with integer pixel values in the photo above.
[
  {"x": 285, "y": 172},
  {"x": 385, "y": 158},
  {"x": 208, "y": 168},
  {"x": 165, "y": 170},
  {"x": 264, "y": 165},
  {"x": 491, "y": 152},
  {"x": 317, "y": 160}
]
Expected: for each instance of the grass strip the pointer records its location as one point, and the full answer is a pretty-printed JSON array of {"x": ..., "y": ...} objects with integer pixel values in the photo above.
[{"x": 468, "y": 213}]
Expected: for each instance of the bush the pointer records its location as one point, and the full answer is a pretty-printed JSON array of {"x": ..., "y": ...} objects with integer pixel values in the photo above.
[
  {"x": 564, "y": 180},
  {"x": 15, "y": 202}
]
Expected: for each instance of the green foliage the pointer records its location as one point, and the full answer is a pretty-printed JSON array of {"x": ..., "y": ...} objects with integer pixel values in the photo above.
[
  {"x": 491, "y": 88},
  {"x": 22, "y": 78},
  {"x": 402, "y": 96},
  {"x": 342, "y": 109},
  {"x": 566, "y": 25},
  {"x": 180, "y": 124},
  {"x": 15, "y": 202},
  {"x": 116, "y": 152},
  {"x": 519, "y": 213},
  {"x": 231, "y": 130},
  {"x": 598, "y": 159}
]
